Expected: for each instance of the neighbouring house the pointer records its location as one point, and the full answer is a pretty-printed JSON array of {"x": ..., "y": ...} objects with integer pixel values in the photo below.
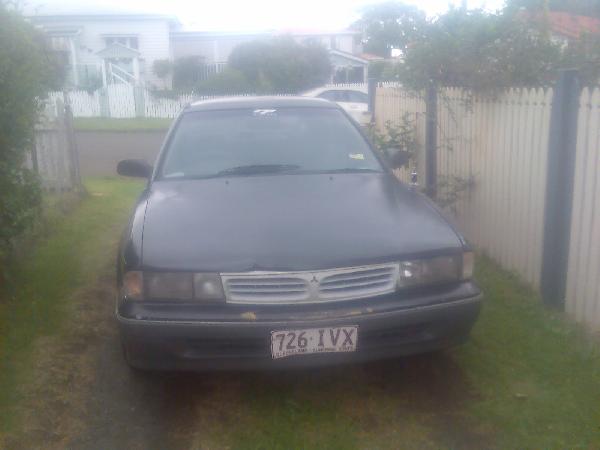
[
  {"x": 565, "y": 27},
  {"x": 102, "y": 49}
]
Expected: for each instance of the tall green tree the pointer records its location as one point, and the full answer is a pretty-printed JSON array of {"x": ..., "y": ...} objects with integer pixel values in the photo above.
[
  {"x": 480, "y": 51},
  {"x": 390, "y": 25},
  {"x": 281, "y": 65},
  {"x": 27, "y": 72},
  {"x": 476, "y": 49},
  {"x": 187, "y": 72}
]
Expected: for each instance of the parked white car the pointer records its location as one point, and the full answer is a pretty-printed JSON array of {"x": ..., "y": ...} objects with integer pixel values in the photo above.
[{"x": 354, "y": 100}]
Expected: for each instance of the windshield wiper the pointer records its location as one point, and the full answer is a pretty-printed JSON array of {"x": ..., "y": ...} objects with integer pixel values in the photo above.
[{"x": 253, "y": 169}]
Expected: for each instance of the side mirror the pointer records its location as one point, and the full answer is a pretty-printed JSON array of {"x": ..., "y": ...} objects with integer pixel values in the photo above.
[
  {"x": 396, "y": 157},
  {"x": 134, "y": 168}
]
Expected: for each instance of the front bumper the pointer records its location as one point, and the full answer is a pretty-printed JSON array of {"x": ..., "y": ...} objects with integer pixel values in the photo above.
[{"x": 239, "y": 339}]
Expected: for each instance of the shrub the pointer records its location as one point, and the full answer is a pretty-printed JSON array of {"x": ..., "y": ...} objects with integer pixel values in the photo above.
[
  {"x": 186, "y": 72},
  {"x": 27, "y": 72},
  {"x": 228, "y": 82},
  {"x": 281, "y": 65},
  {"x": 162, "y": 68}
]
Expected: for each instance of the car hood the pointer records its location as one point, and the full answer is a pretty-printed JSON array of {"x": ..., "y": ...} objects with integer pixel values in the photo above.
[{"x": 289, "y": 222}]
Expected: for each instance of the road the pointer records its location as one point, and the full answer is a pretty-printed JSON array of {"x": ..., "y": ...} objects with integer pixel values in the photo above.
[{"x": 100, "y": 151}]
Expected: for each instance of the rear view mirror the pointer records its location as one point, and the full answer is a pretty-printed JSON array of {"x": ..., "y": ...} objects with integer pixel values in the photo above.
[{"x": 134, "y": 168}]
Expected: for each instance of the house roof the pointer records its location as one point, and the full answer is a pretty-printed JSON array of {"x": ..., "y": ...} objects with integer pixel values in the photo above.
[
  {"x": 117, "y": 50},
  {"x": 571, "y": 26},
  {"x": 349, "y": 56},
  {"x": 266, "y": 33},
  {"x": 41, "y": 18},
  {"x": 314, "y": 32},
  {"x": 371, "y": 57}
]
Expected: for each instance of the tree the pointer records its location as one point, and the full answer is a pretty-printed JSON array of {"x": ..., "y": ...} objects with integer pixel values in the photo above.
[
  {"x": 474, "y": 49},
  {"x": 27, "y": 72},
  {"x": 584, "y": 54},
  {"x": 228, "y": 82},
  {"x": 390, "y": 25},
  {"x": 480, "y": 51},
  {"x": 281, "y": 65},
  {"x": 187, "y": 72},
  {"x": 162, "y": 68}
]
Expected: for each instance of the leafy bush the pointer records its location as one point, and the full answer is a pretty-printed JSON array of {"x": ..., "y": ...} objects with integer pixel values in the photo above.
[
  {"x": 480, "y": 51},
  {"x": 228, "y": 82},
  {"x": 162, "y": 68},
  {"x": 398, "y": 142},
  {"x": 187, "y": 72},
  {"x": 399, "y": 145},
  {"x": 27, "y": 72},
  {"x": 281, "y": 65}
]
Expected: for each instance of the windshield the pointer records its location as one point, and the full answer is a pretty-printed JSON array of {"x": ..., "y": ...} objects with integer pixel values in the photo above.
[{"x": 249, "y": 141}]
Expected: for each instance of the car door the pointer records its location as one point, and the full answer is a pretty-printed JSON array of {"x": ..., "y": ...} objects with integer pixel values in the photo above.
[{"x": 356, "y": 104}]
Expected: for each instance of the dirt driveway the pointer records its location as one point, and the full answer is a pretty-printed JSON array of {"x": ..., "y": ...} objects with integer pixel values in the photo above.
[{"x": 85, "y": 397}]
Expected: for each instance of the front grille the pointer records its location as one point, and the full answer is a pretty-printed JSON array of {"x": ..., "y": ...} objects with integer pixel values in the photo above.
[
  {"x": 359, "y": 283},
  {"x": 310, "y": 286},
  {"x": 264, "y": 288}
]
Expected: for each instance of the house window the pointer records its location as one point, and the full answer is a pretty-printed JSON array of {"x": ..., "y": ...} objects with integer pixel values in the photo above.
[{"x": 127, "y": 41}]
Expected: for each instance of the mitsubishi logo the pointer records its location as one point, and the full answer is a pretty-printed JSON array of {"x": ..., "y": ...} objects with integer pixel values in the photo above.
[{"x": 314, "y": 279}]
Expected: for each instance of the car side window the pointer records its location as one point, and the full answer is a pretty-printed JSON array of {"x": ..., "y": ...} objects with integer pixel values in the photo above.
[
  {"x": 328, "y": 95},
  {"x": 343, "y": 96},
  {"x": 357, "y": 97}
]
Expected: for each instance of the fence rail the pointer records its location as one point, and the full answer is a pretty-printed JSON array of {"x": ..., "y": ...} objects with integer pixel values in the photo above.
[
  {"x": 498, "y": 147},
  {"x": 128, "y": 101}
]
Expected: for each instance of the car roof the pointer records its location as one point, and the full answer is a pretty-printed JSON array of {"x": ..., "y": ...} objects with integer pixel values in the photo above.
[
  {"x": 262, "y": 102},
  {"x": 320, "y": 90}
]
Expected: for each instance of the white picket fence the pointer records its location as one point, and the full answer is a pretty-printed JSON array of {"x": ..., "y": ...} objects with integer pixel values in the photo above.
[
  {"x": 583, "y": 281},
  {"x": 500, "y": 146},
  {"x": 127, "y": 101},
  {"x": 54, "y": 154}
]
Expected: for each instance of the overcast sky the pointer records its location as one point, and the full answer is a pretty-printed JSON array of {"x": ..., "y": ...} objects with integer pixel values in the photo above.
[{"x": 245, "y": 15}]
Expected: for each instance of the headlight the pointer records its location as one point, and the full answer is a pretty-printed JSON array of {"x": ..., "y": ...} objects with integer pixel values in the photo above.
[
  {"x": 133, "y": 286},
  {"x": 208, "y": 286},
  {"x": 419, "y": 272},
  {"x": 468, "y": 265},
  {"x": 164, "y": 285},
  {"x": 183, "y": 286}
]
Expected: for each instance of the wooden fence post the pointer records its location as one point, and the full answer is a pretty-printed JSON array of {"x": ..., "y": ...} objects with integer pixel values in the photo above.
[
  {"x": 71, "y": 144},
  {"x": 559, "y": 188},
  {"x": 431, "y": 113},
  {"x": 372, "y": 91},
  {"x": 139, "y": 99},
  {"x": 104, "y": 102}
]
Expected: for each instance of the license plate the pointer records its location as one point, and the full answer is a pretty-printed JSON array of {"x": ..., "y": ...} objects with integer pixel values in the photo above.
[{"x": 313, "y": 340}]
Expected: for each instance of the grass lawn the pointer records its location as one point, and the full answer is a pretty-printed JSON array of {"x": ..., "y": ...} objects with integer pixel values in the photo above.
[
  {"x": 528, "y": 378},
  {"x": 69, "y": 259},
  {"x": 110, "y": 124}
]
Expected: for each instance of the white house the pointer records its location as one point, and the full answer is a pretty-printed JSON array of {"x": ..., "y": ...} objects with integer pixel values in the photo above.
[
  {"x": 101, "y": 49},
  {"x": 109, "y": 48}
]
